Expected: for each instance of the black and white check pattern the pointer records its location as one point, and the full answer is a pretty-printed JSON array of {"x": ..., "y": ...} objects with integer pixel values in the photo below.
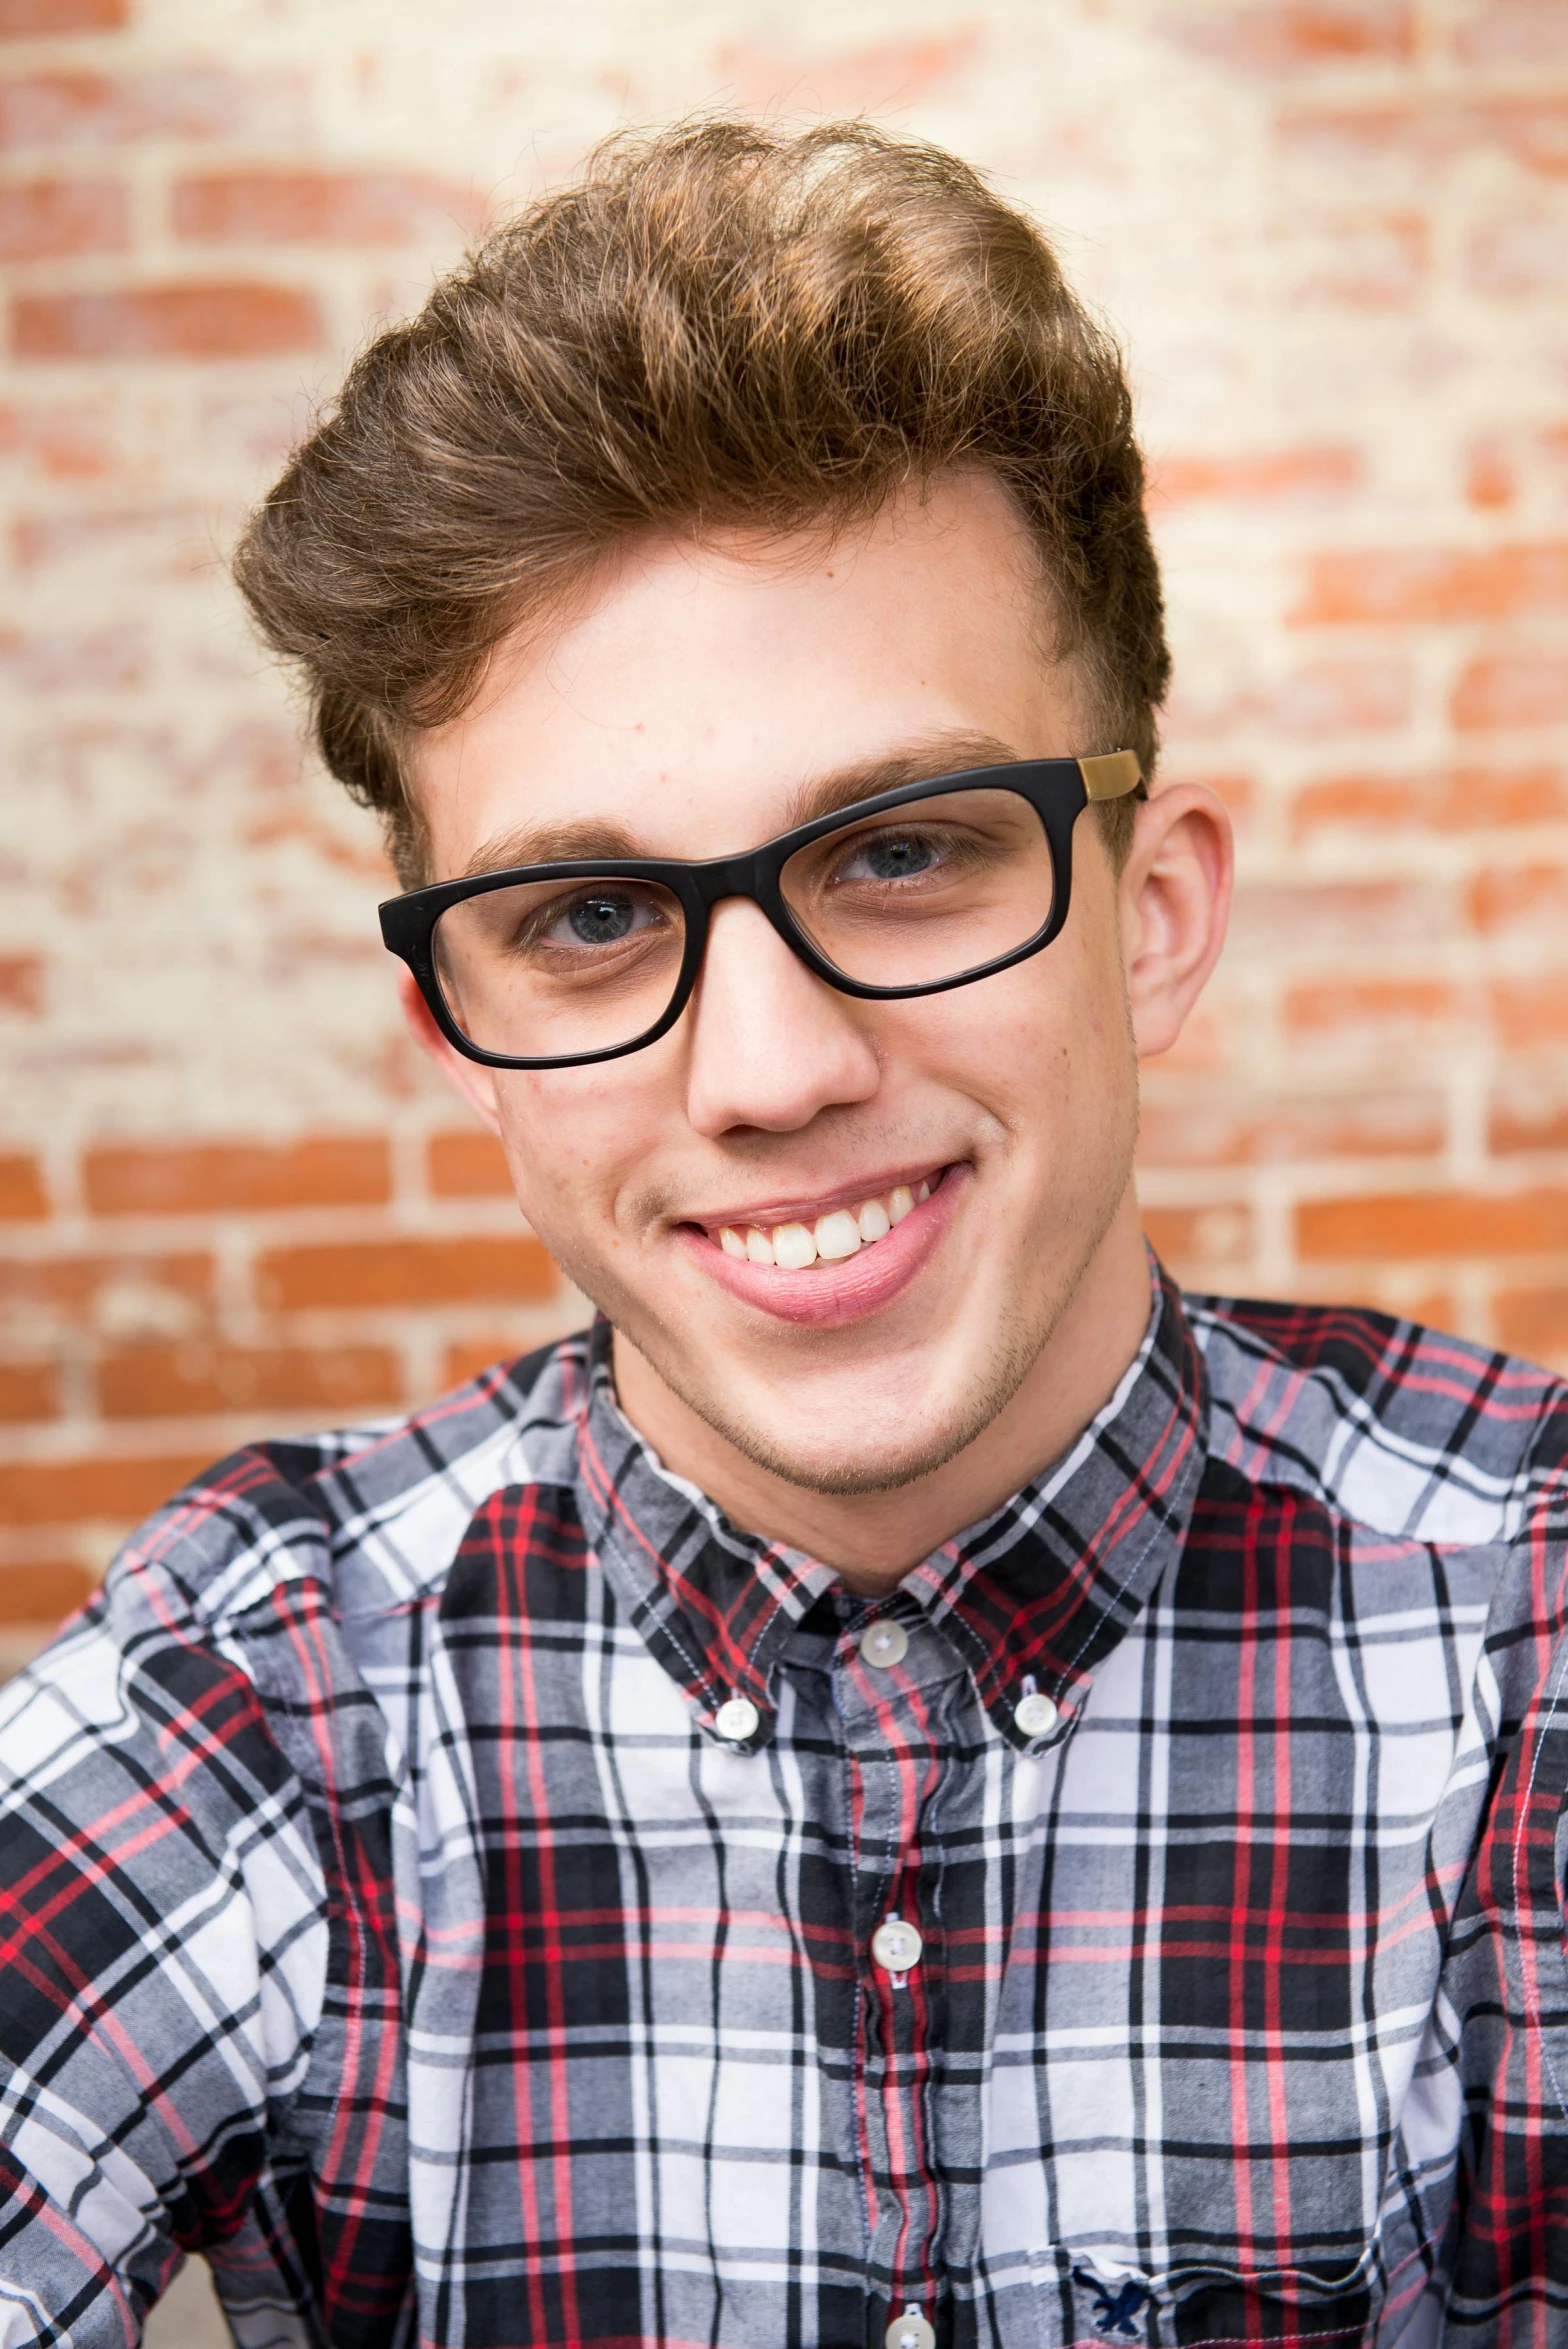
[{"x": 384, "y": 1915}]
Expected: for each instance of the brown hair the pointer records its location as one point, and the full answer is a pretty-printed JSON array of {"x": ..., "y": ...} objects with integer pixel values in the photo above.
[{"x": 719, "y": 325}]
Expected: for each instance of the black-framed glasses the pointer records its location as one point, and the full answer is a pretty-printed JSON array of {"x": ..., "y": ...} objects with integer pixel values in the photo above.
[{"x": 931, "y": 886}]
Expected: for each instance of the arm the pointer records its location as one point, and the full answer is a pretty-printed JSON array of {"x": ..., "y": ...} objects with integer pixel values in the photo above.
[{"x": 164, "y": 1939}]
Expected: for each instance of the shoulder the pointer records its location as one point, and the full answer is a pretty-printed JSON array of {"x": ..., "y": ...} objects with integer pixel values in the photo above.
[
  {"x": 1404, "y": 1430},
  {"x": 368, "y": 1518}
]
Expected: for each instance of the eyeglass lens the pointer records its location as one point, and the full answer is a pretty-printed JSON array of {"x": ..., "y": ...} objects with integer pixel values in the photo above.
[{"x": 927, "y": 892}]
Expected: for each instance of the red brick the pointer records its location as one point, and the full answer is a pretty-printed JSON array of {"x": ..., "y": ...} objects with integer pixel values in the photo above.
[
  {"x": 44, "y": 217},
  {"x": 406, "y": 1272},
  {"x": 166, "y": 541},
  {"x": 1294, "y": 36},
  {"x": 1454, "y": 799},
  {"x": 1512, "y": 689},
  {"x": 208, "y": 321},
  {"x": 22, "y": 983},
  {"x": 85, "y": 109},
  {"x": 1278, "y": 919},
  {"x": 22, "y": 20},
  {"x": 758, "y": 74},
  {"x": 1343, "y": 697},
  {"x": 91, "y": 1489},
  {"x": 29, "y": 1390},
  {"x": 1521, "y": 898},
  {"x": 1519, "y": 255},
  {"x": 1415, "y": 1224},
  {"x": 351, "y": 1170},
  {"x": 1525, "y": 1116},
  {"x": 191, "y": 1378},
  {"x": 468, "y": 1163},
  {"x": 1531, "y": 1011},
  {"x": 94, "y": 660},
  {"x": 1429, "y": 134},
  {"x": 1491, "y": 482},
  {"x": 467, "y": 1357},
  {"x": 322, "y": 208},
  {"x": 43, "y": 1593},
  {"x": 21, "y": 1188},
  {"x": 1261, "y": 476},
  {"x": 1534, "y": 132},
  {"x": 1371, "y": 260},
  {"x": 1218, "y": 1236},
  {"x": 1337, "y": 1008},
  {"x": 1506, "y": 467},
  {"x": 1514, "y": 34},
  {"x": 1262, "y": 1129},
  {"x": 1533, "y": 1322},
  {"x": 1436, "y": 584},
  {"x": 175, "y": 1288},
  {"x": 61, "y": 442}
]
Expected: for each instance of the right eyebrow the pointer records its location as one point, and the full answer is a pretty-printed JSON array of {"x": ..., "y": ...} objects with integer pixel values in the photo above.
[
  {"x": 550, "y": 844},
  {"x": 914, "y": 762}
]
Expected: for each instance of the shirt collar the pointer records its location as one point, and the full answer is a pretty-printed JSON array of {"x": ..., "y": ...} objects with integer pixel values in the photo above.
[{"x": 1035, "y": 1595}]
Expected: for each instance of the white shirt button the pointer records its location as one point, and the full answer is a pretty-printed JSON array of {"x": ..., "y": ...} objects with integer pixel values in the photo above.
[
  {"x": 896, "y": 1946},
  {"x": 737, "y": 1720},
  {"x": 1035, "y": 1714},
  {"x": 910, "y": 2331},
  {"x": 884, "y": 1643}
]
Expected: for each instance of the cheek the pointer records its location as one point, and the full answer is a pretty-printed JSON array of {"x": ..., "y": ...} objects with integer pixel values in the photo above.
[
  {"x": 1050, "y": 1034},
  {"x": 569, "y": 1137}
]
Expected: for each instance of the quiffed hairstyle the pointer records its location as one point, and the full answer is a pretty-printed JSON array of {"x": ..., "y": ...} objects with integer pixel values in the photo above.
[{"x": 720, "y": 325}]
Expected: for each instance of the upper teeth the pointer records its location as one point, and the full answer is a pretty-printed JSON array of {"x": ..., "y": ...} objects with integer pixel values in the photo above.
[{"x": 837, "y": 1234}]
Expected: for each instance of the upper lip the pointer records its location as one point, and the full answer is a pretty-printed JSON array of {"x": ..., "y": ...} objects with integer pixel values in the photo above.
[{"x": 768, "y": 1213}]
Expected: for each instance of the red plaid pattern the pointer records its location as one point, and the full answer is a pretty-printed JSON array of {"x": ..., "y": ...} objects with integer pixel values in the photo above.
[{"x": 384, "y": 1916}]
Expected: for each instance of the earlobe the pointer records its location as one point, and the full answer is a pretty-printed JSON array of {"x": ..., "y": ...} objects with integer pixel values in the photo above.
[
  {"x": 468, "y": 1078},
  {"x": 1175, "y": 900}
]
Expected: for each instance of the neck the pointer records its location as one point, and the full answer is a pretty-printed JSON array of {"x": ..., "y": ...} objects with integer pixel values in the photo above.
[{"x": 874, "y": 1539}]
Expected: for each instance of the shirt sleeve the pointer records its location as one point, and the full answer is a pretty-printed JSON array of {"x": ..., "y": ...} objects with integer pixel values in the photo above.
[{"x": 163, "y": 1951}]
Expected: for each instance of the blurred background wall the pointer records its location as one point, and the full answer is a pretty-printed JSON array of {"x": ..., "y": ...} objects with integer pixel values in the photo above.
[{"x": 1335, "y": 236}]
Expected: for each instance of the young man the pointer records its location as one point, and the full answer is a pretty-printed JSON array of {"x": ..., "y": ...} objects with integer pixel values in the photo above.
[{"x": 911, "y": 1785}]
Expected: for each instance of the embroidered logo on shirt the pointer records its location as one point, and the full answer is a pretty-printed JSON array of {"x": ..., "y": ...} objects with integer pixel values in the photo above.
[{"x": 1116, "y": 2314}]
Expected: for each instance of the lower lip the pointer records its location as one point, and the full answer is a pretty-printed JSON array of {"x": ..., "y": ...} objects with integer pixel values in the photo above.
[{"x": 824, "y": 1295}]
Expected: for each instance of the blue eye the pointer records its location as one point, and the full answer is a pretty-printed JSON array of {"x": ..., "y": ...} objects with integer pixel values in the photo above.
[
  {"x": 600, "y": 921},
  {"x": 600, "y": 917},
  {"x": 896, "y": 856}
]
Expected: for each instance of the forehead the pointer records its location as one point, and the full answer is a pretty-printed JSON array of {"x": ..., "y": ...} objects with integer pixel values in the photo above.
[{"x": 693, "y": 690}]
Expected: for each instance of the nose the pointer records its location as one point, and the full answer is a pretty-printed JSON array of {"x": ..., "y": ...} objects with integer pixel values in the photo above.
[{"x": 769, "y": 1045}]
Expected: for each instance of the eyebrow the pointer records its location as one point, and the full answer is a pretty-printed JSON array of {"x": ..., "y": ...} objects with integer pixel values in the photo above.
[{"x": 921, "y": 761}]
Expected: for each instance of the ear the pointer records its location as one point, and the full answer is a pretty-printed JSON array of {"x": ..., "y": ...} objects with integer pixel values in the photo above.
[
  {"x": 1175, "y": 899},
  {"x": 470, "y": 1078}
]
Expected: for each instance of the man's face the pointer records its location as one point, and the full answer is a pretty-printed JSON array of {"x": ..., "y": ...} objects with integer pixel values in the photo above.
[{"x": 689, "y": 702}]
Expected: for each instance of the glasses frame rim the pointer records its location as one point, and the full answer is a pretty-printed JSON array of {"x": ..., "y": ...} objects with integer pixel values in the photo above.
[{"x": 1058, "y": 790}]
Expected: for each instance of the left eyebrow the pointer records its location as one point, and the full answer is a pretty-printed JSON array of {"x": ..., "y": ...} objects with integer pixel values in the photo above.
[{"x": 914, "y": 762}]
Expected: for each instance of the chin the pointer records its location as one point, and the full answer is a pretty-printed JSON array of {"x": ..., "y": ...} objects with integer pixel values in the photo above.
[{"x": 844, "y": 1444}]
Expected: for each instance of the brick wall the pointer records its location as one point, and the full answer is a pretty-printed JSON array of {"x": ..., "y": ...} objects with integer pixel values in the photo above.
[{"x": 1335, "y": 234}]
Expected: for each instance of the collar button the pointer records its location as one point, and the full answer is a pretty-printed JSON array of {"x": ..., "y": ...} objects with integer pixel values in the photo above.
[
  {"x": 884, "y": 1643},
  {"x": 910, "y": 2331},
  {"x": 1035, "y": 1714},
  {"x": 737, "y": 1720}
]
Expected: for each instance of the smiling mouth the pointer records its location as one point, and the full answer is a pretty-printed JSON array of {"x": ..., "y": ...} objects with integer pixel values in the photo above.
[{"x": 831, "y": 1238}]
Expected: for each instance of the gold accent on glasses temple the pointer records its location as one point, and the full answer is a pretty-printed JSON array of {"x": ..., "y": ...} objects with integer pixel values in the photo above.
[{"x": 1112, "y": 775}]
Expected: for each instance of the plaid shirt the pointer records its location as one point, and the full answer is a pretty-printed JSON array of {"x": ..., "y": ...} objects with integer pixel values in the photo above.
[{"x": 385, "y": 1915}]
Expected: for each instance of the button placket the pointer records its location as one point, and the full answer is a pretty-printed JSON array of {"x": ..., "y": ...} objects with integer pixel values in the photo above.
[
  {"x": 896, "y": 1946},
  {"x": 911, "y": 2330}
]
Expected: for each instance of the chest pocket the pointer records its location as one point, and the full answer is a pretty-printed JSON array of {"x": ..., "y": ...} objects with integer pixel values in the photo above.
[{"x": 1201, "y": 2168}]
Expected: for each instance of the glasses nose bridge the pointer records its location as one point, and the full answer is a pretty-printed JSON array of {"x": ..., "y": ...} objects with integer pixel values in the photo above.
[{"x": 723, "y": 877}]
